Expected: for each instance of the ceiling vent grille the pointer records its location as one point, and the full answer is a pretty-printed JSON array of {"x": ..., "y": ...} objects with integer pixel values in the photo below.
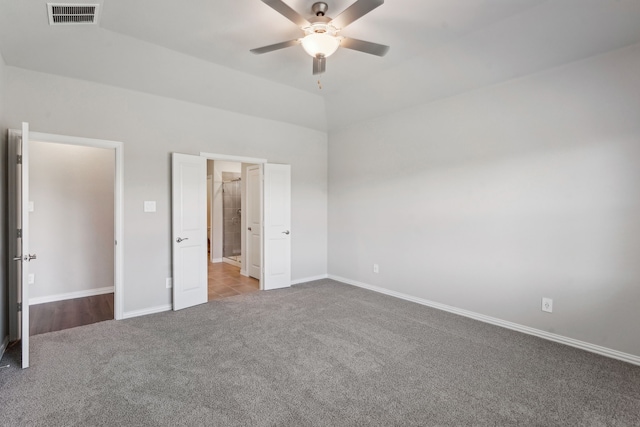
[{"x": 72, "y": 14}]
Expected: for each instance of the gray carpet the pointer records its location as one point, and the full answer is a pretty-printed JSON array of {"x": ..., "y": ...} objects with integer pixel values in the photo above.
[{"x": 323, "y": 354}]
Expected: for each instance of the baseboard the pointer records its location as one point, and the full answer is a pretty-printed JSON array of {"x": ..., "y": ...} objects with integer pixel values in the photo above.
[
  {"x": 309, "y": 279},
  {"x": 3, "y": 346},
  {"x": 145, "y": 311},
  {"x": 215, "y": 260},
  {"x": 232, "y": 262},
  {"x": 244, "y": 273},
  {"x": 71, "y": 295},
  {"x": 603, "y": 351}
]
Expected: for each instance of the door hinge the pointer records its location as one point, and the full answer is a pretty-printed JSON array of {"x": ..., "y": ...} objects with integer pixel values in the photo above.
[
  {"x": 19, "y": 159},
  {"x": 19, "y": 232},
  {"x": 19, "y": 306}
]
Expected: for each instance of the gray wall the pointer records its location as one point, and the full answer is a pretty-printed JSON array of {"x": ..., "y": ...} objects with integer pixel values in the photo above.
[
  {"x": 72, "y": 189},
  {"x": 152, "y": 127},
  {"x": 4, "y": 319},
  {"x": 491, "y": 200}
]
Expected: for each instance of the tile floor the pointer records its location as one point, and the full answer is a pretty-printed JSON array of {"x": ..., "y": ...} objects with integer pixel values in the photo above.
[{"x": 225, "y": 280}]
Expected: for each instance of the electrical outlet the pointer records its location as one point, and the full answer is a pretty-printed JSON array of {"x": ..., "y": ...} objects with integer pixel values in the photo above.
[
  {"x": 547, "y": 305},
  {"x": 376, "y": 268},
  {"x": 31, "y": 278},
  {"x": 169, "y": 283}
]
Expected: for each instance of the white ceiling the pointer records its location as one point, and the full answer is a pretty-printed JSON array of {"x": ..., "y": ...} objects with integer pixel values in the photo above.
[{"x": 198, "y": 50}]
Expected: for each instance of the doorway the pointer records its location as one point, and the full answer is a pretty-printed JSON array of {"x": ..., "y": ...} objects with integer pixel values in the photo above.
[
  {"x": 21, "y": 256},
  {"x": 227, "y": 230},
  {"x": 189, "y": 226},
  {"x": 71, "y": 191}
]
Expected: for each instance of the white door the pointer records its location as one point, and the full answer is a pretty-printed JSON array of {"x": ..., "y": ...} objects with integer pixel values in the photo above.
[
  {"x": 189, "y": 230},
  {"x": 254, "y": 224},
  {"x": 277, "y": 226},
  {"x": 19, "y": 246}
]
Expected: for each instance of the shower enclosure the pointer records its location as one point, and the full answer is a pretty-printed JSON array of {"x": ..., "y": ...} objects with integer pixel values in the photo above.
[{"x": 231, "y": 214}]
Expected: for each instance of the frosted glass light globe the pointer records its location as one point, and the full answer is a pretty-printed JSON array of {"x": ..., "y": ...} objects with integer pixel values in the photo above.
[{"x": 320, "y": 43}]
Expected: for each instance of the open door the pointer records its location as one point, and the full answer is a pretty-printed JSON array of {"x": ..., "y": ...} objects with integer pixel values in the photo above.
[
  {"x": 254, "y": 222},
  {"x": 277, "y": 226},
  {"x": 189, "y": 230},
  {"x": 18, "y": 185}
]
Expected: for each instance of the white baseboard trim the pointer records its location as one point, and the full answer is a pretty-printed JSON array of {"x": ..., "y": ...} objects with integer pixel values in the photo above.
[
  {"x": 3, "y": 346},
  {"x": 603, "y": 351},
  {"x": 309, "y": 279},
  {"x": 232, "y": 262},
  {"x": 244, "y": 273},
  {"x": 145, "y": 311},
  {"x": 216, "y": 260},
  {"x": 71, "y": 295}
]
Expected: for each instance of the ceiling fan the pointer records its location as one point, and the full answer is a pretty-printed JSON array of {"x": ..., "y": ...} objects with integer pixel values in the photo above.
[{"x": 321, "y": 37}]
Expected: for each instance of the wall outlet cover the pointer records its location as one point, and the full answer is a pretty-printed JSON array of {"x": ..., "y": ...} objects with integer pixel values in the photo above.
[
  {"x": 376, "y": 268},
  {"x": 169, "y": 282},
  {"x": 547, "y": 305}
]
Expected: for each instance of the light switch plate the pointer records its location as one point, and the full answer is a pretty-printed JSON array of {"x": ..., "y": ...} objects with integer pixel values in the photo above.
[
  {"x": 31, "y": 206},
  {"x": 149, "y": 206}
]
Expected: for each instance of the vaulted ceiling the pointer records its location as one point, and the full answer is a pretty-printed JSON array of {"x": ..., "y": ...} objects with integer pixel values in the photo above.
[{"x": 198, "y": 50}]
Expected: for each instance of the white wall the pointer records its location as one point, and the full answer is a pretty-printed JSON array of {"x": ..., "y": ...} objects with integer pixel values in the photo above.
[
  {"x": 4, "y": 314},
  {"x": 219, "y": 166},
  {"x": 491, "y": 200},
  {"x": 152, "y": 127},
  {"x": 72, "y": 224}
]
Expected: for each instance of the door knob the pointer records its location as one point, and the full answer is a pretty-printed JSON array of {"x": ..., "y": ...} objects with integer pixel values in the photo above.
[
  {"x": 30, "y": 257},
  {"x": 285, "y": 232},
  {"x": 17, "y": 258},
  {"x": 180, "y": 239}
]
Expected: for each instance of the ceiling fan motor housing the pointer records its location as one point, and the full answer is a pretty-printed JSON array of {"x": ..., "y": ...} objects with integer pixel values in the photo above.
[{"x": 320, "y": 8}]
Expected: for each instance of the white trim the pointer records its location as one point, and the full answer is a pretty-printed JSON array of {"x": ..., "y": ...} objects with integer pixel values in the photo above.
[
  {"x": 244, "y": 273},
  {"x": 216, "y": 260},
  {"x": 118, "y": 300},
  {"x": 228, "y": 158},
  {"x": 603, "y": 351},
  {"x": 145, "y": 311},
  {"x": 231, "y": 261},
  {"x": 4, "y": 345},
  {"x": 71, "y": 295},
  {"x": 310, "y": 279}
]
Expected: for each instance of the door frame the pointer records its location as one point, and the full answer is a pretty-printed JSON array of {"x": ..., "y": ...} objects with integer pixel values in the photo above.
[
  {"x": 117, "y": 146},
  {"x": 256, "y": 161}
]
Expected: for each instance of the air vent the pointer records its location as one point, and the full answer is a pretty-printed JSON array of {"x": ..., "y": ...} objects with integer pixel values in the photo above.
[{"x": 72, "y": 14}]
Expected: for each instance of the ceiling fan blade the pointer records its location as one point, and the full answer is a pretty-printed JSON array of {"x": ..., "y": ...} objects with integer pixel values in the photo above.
[
  {"x": 363, "y": 46},
  {"x": 272, "y": 47},
  {"x": 319, "y": 64},
  {"x": 282, "y": 8},
  {"x": 356, "y": 11}
]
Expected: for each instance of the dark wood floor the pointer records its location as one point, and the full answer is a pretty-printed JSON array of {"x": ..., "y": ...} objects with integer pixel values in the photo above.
[
  {"x": 225, "y": 280},
  {"x": 59, "y": 315}
]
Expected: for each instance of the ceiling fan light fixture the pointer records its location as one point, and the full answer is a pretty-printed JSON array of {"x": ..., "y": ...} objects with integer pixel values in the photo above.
[{"x": 320, "y": 43}]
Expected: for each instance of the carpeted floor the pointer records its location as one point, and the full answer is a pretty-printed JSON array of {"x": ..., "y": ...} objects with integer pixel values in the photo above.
[{"x": 322, "y": 354}]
